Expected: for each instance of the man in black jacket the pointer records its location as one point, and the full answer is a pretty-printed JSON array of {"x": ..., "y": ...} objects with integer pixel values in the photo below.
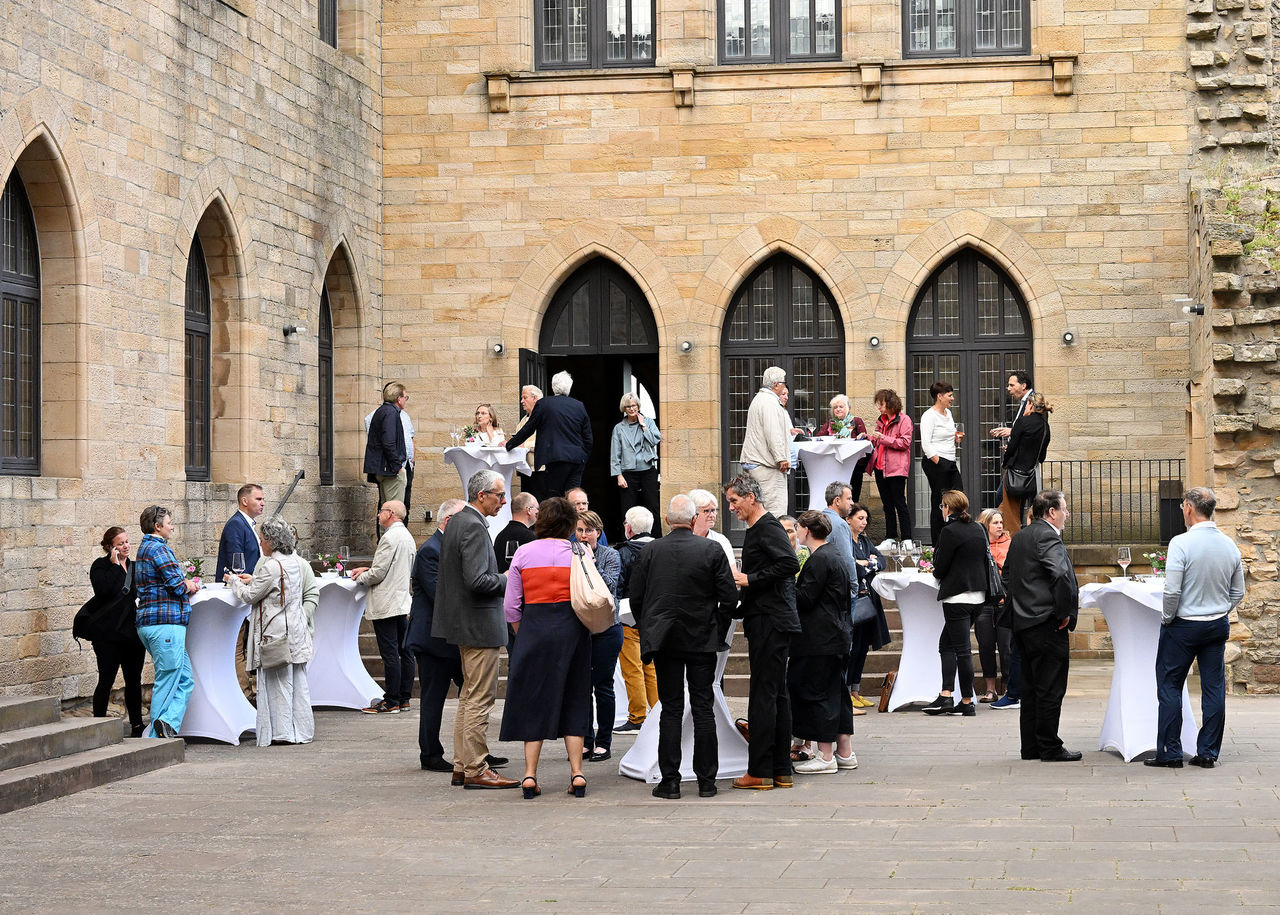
[
  {"x": 564, "y": 437},
  {"x": 768, "y": 610},
  {"x": 640, "y": 678},
  {"x": 682, "y": 596},
  {"x": 385, "y": 452},
  {"x": 1045, "y": 600}
]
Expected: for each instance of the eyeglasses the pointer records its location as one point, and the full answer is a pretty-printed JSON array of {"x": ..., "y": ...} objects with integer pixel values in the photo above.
[
  {"x": 502, "y": 496},
  {"x": 711, "y": 510}
]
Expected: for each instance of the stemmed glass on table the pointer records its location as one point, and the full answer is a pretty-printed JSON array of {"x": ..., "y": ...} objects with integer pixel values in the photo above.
[
  {"x": 344, "y": 559},
  {"x": 237, "y": 563},
  {"x": 1123, "y": 558}
]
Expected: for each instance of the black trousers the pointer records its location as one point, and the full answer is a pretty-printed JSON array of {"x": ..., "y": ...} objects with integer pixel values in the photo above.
[
  {"x": 859, "y": 474},
  {"x": 559, "y": 478},
  {"x": 642, "y": 489},
  {"x": 954, "y": 646},
  {"x": 1046, "y": 657},
  {"x": 769, "y": 704},
  {"x": 942, "y": 476},
  {"x": 408, "y": 491},
  {"x": 893, "y": 494},
  {"x": 113, "y": 656},
  {"x": 984, "y": 628},
  {"x": 434, "y": 676},
  {"x": 397, "y": 661},
  {"x": 673, "y": 670}
]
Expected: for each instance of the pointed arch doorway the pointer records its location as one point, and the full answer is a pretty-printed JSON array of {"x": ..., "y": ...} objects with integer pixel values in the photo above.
[
  {"x": 600, "y": 329},
  {"x": 969, "y": 327}
]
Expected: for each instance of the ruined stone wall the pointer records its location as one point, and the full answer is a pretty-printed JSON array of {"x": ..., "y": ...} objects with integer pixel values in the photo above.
[{"x": 1229, "y": 50}]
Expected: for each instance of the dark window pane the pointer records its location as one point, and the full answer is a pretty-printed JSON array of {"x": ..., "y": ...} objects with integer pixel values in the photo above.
[
  {"x": 328, "y": 16},
  {"x": 618, "y": 318},
  {"x": 324, "y": 390},
  {"x": 949, "y": 302},
  {"x": 19, "y": 333},
  {"x": 197, "y": 311}
]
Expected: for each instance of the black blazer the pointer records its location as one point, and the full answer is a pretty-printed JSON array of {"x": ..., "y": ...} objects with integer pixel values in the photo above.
[
  {"x": 238, "y": 536},
  {"x": 822, "y": 603},
  {"x": 1039, "y": 579},
  {"x": 1022, "y": 453},
  {"x": 109, "y": 615},
  {"x": 425, "y": 574},
  {"x": 771, "y": 566},
  {"x": 628, "y": 552},
  {"x": 563, "y": 427},
  {"x": 960, "y": 558},
  {"x": 682, "y": 594},
  {"x": 384, "y": 448}
]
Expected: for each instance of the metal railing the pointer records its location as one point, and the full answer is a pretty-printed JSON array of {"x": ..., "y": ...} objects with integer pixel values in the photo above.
[{"x": 1119, "y": 501}]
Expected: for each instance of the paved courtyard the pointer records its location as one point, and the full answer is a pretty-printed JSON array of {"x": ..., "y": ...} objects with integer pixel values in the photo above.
[{"x": 941, "y": 816}]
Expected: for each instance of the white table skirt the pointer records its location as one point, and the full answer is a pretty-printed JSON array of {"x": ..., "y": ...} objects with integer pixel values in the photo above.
[
  {"x": 468, "y": 459},
  {"x": 827, "y": 460},
  {"x": 1132, "y": 611},
  {"x": 218, "y": 709},
  {"x": 641, "y": 761},
  {"x": 920, "y": 668},
  {"x": 336, "y": 675}
]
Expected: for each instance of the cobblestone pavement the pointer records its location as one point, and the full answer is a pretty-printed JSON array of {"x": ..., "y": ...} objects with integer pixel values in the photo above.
[{"x": 941, "y": 816}]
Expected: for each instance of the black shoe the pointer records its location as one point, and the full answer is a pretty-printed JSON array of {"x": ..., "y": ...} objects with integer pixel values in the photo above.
[
  {"x": 137, "y": 729},
  {"x": 1062, "y": 754},
  {"x": 939, "y": 706},
  {"x": 627, "y": 727},
  {"x": 1203, "y": 762},
  {"x": 667, "y": 790},
  {"x": 967, "y": 709},
  {"x": 1163, "y": 763},
  {"x": 599, "y": 756},
  {"x": 495, "y": 762},
  {"x": 707, "y": 789},
  {"x": 436, "y": 764}
]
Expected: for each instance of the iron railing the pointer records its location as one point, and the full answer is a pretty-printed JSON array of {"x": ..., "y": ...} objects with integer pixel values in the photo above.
[{"x": 1119, "y": 501}]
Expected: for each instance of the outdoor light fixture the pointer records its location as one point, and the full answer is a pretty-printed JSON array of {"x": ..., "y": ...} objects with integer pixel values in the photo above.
[
  {"x": 874, "y": 342},
  {"x": 291, "y": 329},
  {"x": 1069, "y": 338},
  {"x": 686, "y": 346},
  {"x": 1193, "y": 309},
  {"x": 496, "y": 347}
]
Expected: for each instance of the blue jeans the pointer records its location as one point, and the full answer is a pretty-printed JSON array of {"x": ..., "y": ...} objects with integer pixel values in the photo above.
[
  {"x": 167, "y": 645},
  {"x": 1181, "y": 642},
  {"x": 604, "y": 659}
]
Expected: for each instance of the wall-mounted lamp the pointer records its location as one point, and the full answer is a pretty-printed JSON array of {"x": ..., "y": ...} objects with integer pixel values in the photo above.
[
  {"x": 1069, "y": 338},
  {"x": 873, "y": 342},
  {"x": 291, "y": 329},
  {"x": 1193, "y": 309},
  {"x": 686, "y": 347},
  {"x": 496, "y": 347}
]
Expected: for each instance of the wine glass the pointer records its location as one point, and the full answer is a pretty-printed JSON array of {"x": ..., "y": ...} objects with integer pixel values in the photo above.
[
  {"x": 895, "y": 550},
  {"x": 1123, "y": 558},
  {"x": 237, "y": 563},
  {"x": 917, "y": 550},
  {"x": 344, "y": 557}
]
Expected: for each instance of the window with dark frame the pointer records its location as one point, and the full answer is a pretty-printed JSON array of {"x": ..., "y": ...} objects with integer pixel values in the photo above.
[
  {"x": 198, "y": 309},
  {"x": 778, "y": 31},
  {"x": 965, "y": 28},
  {"x": 593, "y": 34},
  {"x": 327, "y": 15},
  {"x": 325, "y": 389},
  {"x": 19, "y": 333}
]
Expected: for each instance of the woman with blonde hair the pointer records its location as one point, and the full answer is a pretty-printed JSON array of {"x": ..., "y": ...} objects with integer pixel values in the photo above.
[{"x": 488, "y": 431}]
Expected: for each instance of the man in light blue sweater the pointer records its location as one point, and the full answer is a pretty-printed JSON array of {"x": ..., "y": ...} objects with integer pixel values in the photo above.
[{"x": 1204, "y": 581}]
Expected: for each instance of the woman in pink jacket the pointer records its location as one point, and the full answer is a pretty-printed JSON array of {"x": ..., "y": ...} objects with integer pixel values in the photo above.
[{"x": 891, "y": 462}]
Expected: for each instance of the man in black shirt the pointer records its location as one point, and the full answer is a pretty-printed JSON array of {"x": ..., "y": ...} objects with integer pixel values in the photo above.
[{"x": 519, "y": 530}]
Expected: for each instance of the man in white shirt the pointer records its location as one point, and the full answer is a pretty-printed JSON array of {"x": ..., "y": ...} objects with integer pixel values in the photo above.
[
  {"x": 766, "y": 445},
  {"x": 1204, "y": 581}
]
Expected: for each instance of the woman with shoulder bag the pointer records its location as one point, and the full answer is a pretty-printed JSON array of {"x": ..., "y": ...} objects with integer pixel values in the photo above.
[
  {"x": 1028, "y": 445},
  {"x": 283, "y": 595},
  {"x": 960, "y": 564},
  {"x": 871, "y": 634},
  {"x": 107, "y": 621}
]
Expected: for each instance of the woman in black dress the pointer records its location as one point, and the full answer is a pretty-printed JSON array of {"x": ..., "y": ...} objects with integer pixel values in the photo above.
[
  {"x": 873, "y": 634},
  {"x": 108, "y": 622}
]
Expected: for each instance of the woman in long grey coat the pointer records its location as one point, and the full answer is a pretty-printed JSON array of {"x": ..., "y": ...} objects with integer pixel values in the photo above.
[{"x": 284, "y": 699}]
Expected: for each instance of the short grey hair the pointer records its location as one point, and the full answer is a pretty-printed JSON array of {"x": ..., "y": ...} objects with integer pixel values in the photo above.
[
  {"x": 744, "y": 485},
  {"x": 534, "y": 390},
  {"x": 152, "y": 517},
  {"x": 702, "y": 498},
  {"x": 640, "y": 519},
  {"x": 773, "y": 375},
  {"x": 681, "y": 509},
  {"x": 278, "y": 534},
  {"x": 627, "y": 400},
  {"x": 481, "y": 480},
  {"x": 561, "y": 383},
  {"x": 840, "y": 398},
  {"x": 1202, "y": 501},
  {"x": 448, "y": 508},
  {"x": 834, "y": 489}
]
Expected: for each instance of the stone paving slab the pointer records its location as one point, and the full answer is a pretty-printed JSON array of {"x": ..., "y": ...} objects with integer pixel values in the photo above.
[{"x": 940, "y": 816}]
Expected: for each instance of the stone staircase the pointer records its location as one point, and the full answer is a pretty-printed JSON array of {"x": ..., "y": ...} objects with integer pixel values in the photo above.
[{"x": 44, "y": 756}]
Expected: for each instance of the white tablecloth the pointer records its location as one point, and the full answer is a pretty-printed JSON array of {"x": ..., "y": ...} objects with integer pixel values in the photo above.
[
  {"x": 467, "y": 459},
  {"x": 336, "y": 675},
  {"x": 1132, "y": 611},
  {"x": 641, "y": 761},
  {"x": 920, "y": 669},
  {"x": 827, "y": 460},
  {"x": 218, "y": 709}
]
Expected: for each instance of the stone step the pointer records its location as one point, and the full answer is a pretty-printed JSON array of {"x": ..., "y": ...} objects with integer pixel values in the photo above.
[
  {"x": 27, "y": 711},
  {"x": 24, "y": 746},
  {"x": 52, "y": 778}
]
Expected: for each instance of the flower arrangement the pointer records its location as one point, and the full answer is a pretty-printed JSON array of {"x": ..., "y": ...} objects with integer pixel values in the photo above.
[
  {"x": 841, "y": 428},
  {"x": 926, "y": 560},
  {"x": 463, "y": 435},
  {"x": 330, "y": 563},
  {"x": 1157, "y": 560},
  {"x": 194, "y": 569}
]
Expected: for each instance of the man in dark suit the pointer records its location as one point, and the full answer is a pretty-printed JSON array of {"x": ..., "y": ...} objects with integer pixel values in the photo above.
[
  {"x": 682, "y": 596},
  {"x": 519, "y": 530},
  {"x": 1044, "y": 598},
  {"x": 240, "y": 534},
  {"x": 438, "y": 662},
  {"x": 564, "y": 437},
  {"x": 469, "y": 614}
]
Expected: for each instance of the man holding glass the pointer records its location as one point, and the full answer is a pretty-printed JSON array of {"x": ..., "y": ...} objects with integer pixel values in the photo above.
[{"x": 238, "y": 552}]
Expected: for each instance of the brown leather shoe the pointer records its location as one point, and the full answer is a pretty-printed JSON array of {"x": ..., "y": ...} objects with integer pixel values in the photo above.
[
  {"x": 457, "y": 779},
  {"x": 489, "y": 779},
  {"x": 751, "y": 783}
]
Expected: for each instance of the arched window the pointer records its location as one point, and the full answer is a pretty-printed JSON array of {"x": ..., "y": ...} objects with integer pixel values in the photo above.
[
  {"x": 325, "y": 389},
  {"x": 19, "y": 333},
  {"x": 969, "y": 327},
  {"x": 599, "y": 310},
  {"x": 782, "y": 315},
  {"x": 196, "y": 401}
]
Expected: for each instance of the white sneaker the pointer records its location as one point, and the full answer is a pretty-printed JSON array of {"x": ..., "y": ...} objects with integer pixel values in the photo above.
[
  {"x": 846, "y": 762},
  {"x": 817, "y": 766}
]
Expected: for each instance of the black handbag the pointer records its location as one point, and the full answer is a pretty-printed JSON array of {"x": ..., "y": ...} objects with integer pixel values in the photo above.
[
  {"x": 995, "y": 584},
  {"x": 1021, "y": 484},
  {"x": 863, "y": 609}
]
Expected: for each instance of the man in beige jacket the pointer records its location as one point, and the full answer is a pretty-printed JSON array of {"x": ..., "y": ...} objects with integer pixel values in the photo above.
[
  {"x": 766, "y": 444},
  {"x": 387, "y": 606}
]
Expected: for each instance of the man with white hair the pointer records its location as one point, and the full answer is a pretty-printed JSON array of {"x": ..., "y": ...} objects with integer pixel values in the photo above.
[
  {"x": 640, "y": 679},
  {"x": 564, "y": 437},
  {"x": 704, "y": 522},
  {"x": 531, "y": 483},
  {"x": 387, "y": 607},
  {"x": 766, "y": 445}
]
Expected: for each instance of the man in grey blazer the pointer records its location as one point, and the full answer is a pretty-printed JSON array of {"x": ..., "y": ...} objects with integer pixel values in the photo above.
[{"x": 469, "y": 614}]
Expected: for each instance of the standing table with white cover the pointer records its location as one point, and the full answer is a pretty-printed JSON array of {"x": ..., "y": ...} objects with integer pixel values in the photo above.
[
  {"x": 218, "y": 709},
  {"x": 470, "y": 458},
  {"x": 641, "y": 760},
  {"x": 920, "y": 668},
  {"x": 336, "y": 675},
  {"x": 826, "y": 460},
  {"x": 1132, "y": 610}
]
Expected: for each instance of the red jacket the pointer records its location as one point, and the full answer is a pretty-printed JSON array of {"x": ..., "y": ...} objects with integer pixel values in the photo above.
[{"x": 892, "y": 453}]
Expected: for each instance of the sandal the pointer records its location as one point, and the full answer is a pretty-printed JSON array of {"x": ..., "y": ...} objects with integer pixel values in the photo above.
[
  {"x": 530, "y": 791},
  {"x": 577, "y": 790},
  {"x": 987, "y": 697},
  {"x": 799, "y": 755}
]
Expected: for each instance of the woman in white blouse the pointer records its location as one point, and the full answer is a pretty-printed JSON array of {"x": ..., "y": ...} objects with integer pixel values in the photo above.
[
  {"x": 938, "y": 440},
  {"x": 488, "y": 432}
]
